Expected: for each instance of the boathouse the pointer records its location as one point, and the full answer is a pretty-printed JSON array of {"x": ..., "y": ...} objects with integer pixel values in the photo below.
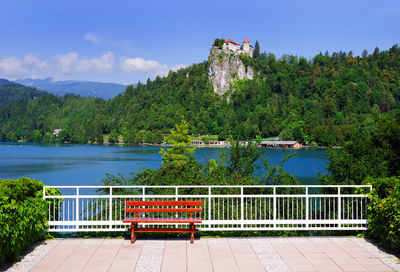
[{"x": 281, "y": 144}]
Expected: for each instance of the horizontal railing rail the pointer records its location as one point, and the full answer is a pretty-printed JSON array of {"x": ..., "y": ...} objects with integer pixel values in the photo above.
[{"x": 225, "y": 207}]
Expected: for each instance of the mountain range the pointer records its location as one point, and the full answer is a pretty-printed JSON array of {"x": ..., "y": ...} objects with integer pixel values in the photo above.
[{"x": 81, "y": 88}]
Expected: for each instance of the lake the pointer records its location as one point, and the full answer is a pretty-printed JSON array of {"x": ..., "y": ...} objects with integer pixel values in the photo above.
[{"x": 69, "y": 164}]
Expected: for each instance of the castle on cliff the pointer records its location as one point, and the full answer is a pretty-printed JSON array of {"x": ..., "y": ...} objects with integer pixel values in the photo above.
[{"x": 246, "y": 48}]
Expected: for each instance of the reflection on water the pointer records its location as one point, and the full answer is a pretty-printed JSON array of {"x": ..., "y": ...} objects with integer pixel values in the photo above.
[{"x": 88, "y": 164}]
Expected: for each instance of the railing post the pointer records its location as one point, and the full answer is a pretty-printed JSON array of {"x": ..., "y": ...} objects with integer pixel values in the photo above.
[
  {"x": 307, "y": 209},
  {"x": 241, "y": 206},
  {"x": 77, "y": 209},
  {"x": 339, "y": 208},
  {"x": 143, "y": 198},
  {"x": 209, "y": 206},
  {"x": 176, "y": 198},
  {"x": 274, "y": 208},
  {"x": 110, "y": 207}
]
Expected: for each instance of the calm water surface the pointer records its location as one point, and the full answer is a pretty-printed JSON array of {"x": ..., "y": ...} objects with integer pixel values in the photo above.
[{"x": 88, "y": 164}]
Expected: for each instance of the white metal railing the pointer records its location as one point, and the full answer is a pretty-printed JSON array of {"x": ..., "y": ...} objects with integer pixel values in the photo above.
[{"x": 291, "y": 207}]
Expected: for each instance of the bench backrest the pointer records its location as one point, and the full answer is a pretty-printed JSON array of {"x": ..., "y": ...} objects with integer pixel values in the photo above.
[{"x": 154, "y": 206}]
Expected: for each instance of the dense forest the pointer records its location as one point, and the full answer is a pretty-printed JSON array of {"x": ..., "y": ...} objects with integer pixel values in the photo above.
[
  {"x": 321, "y": 100},
  {"x": 10, "y": 93}
]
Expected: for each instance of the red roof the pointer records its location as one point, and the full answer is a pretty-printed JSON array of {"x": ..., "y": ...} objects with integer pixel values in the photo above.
[
  {"x": 246, "y": 40},
  {"x": 230, "y": 41}
]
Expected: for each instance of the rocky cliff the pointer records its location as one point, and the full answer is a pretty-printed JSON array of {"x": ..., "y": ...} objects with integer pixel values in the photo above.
[{"x": 225, "y": 67}]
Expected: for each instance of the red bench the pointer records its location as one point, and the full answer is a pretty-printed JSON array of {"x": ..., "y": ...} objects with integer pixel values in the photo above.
[{"x": 162, "y": 207}]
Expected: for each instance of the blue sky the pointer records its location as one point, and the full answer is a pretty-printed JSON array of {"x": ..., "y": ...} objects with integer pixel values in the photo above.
[{"x": 126, "y": 41}]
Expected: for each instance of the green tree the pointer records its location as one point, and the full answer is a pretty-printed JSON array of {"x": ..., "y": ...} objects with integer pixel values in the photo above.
[
  {"x": 113, "y": 137},
  {"x": 180, "y": 153},
  {"x": 218, "y": 42},
  {"x": 372, "y": 151},
  {"x": 158, "y": 137},
  {"x": 148, "y": 137},
  {"x": 256, "y": 52},
  {"x": 241, "y": 158}
]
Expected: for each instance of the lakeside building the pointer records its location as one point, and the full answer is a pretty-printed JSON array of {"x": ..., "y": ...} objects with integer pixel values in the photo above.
[
  {"x": 281, "y": 144},
  {"x": 210, "y": 144},
  {"x": 57, "y": 131}
]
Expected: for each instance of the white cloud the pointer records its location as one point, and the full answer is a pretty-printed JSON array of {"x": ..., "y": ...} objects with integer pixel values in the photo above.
[
  {"x": 13, "y": 66},
  {"x": 132, "y": 65},
  {"x": 91, "y": 37},
  {"x": 129, "y": 65},
  {"x": 67, "y": 64},
  {"x": 71, "y": 64}
]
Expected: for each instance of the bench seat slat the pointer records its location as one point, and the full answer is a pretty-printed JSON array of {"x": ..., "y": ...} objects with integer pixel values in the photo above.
[
  {"x": 164, "y": 203},
  {"x": 165, "y": 230},
  {"x": 161, "y": 220},
  {"x": 139, "y": 210}
]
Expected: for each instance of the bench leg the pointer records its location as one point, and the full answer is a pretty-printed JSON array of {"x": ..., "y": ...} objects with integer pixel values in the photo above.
[
  {"x": 133, "y": 233},
  {"x": 192, "y": 233}
]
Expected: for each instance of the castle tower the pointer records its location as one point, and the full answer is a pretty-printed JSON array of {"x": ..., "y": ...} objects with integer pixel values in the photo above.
[{"x": 247, "y": 48}]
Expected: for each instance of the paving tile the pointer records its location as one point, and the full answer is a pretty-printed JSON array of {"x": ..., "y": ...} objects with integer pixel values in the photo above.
[
  {"x": 353, "y": 267},
  {"x": 245, "y": 257},
  {"x": 174, "y": 259},
  {"x": 126, "y": 258},
  {"x": 217, "y": 241},
  {"x": 72, "y": 241},
  {"x": 56, "y": 256},
  {"x": 368, "y": 261},
  {"x": 102, "y": 258},
  {"x": 222, "y": 258},
  {"x": 325, "y": 265},
  {"x": 292, "y": 256},
  {"x": 338, "y": 255},
  {"x": 339, "y": 261},
  {"x": 51, "y": 261},
  {"x": 78, "y": 258},
  {"x": 360, "y": 254},
  {"x": 62, "y": 249},
  {"x": 305, "y": 246},
  {"x": 198, "y": 257},
  {"x": 300, "y": 266},
  {"x": 285, "y": 248},
  {"x": 315, "y": 255}
]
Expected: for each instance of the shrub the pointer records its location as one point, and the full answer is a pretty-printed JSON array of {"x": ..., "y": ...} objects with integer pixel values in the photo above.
[
  {"x": 20, "y": 189},
  {"x": 23, "y": 216},
  {"x": 384, "y": 210}
]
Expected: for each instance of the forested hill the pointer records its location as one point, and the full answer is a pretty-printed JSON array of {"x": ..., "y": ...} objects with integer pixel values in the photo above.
[
  {"x": 319, "y": 100},
  {"x": 11, "y": 92}
]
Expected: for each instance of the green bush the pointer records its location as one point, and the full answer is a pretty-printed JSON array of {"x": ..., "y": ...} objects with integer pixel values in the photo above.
[
  {"x": 23, "y": 216},
  {"x": 384, "y": 211},
  {"x": 20, "y": 189}
]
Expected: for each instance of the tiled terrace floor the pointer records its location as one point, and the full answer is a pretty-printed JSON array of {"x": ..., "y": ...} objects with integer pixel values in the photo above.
[{"x": 209, "y": 254}]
